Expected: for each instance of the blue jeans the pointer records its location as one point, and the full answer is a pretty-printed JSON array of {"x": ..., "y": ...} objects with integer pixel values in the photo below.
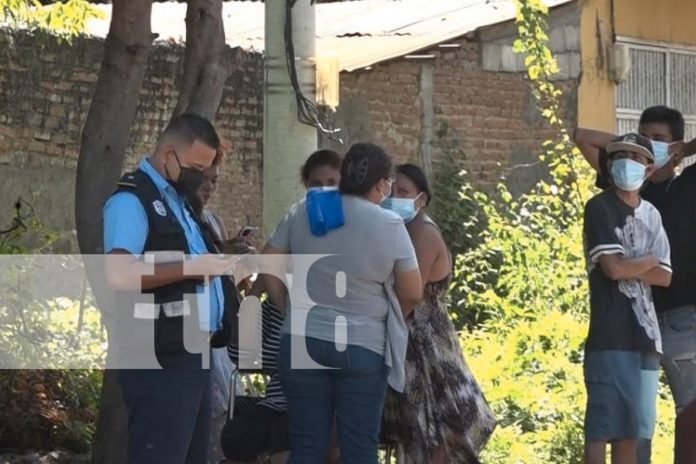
[
  {"x": 168, "y": 411},
  {"x": 678, "y": 329},
  {"x": 353, "y": 391}
]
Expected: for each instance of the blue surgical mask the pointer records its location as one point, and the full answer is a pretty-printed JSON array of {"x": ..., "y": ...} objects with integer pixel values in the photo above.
[
  {"x": 404, "y": 207},
  {"x": 661, "y": 152},
  {"x": 324, "y": 210},
  {"x": 627, "y": 174}
]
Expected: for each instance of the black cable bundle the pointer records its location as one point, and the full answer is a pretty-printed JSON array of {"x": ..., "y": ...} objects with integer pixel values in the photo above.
[{"x": 307, "y": 111}]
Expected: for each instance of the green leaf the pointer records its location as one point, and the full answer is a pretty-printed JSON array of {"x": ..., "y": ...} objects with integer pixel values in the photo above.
[{"x": 534, "y": 71}]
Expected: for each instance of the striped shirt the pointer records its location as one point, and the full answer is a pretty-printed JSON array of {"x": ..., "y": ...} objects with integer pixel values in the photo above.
[{"x": 272, "y": 322}]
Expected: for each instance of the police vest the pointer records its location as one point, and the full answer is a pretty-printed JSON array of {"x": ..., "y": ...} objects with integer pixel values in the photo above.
[{"x": 174, "y": 303}]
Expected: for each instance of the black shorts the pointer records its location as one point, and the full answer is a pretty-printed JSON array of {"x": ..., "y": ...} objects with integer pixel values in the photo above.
[{"x": 255, "y": 430}]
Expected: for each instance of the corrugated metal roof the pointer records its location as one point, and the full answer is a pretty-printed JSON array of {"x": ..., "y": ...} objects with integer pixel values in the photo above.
[{"x": 361, "y": 33}]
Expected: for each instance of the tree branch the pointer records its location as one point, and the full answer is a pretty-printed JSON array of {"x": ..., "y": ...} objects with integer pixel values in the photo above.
[{"x": 205, "y": 61}]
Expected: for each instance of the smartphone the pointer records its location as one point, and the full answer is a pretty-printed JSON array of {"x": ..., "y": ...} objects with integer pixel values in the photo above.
[{"x": 247, "y": 231}]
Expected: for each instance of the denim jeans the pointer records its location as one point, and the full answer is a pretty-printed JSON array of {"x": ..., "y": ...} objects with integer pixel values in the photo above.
[
  {"x": 678, "y": 329},
  {"x": 351, "y": 393}
]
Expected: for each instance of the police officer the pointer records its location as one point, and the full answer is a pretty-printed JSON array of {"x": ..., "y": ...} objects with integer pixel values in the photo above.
[{"x": 161, "y": 311}]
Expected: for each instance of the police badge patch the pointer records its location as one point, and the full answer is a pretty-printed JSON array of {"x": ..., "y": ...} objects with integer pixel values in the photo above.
[{"x": 159, "y": 208}]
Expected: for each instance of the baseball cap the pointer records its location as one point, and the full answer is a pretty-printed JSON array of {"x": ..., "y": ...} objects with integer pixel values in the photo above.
[{"x": 631, "y": 142}]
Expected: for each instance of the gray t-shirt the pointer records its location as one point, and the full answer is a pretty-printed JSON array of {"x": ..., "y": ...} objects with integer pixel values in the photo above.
[{"x": 345, "y": 289}]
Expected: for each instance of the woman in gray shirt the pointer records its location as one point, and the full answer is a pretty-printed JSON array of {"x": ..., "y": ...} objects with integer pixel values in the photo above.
[{"x": 336, "y": 329}]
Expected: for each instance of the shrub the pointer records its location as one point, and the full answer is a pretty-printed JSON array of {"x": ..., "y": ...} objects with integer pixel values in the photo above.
[
  {"x": 462, "y": 220},
  {"x": 45, "y": 409},
  {"x": 527, "y": 352},
  {"x": 48, "y": 409}
]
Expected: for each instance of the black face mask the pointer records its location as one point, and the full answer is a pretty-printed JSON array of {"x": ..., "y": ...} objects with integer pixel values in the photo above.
[{"x": 189, "y": 179}]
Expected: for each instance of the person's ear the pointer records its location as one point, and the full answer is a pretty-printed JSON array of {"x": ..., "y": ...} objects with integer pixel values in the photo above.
[
  {"x": 385, "y": 186},
  {"x": 677, "y": 152},
  {"x": 649, "y": 170},
  {"x": 169, "y": 153}
]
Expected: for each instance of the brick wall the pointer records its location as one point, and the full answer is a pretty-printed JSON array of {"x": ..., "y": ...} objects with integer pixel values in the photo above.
[
  {"x": 462, "y": 100},
  {"x": 489, "y": 119},
  {"x": 45, "y": 93}
]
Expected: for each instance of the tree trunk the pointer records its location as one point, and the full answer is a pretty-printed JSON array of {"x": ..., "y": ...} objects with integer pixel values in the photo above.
[
  {"x": 106, "y": 135},
  {"x": 104, "y": 140},
  {"x": 106, "y": 132},
  {"x": 206, "y": 60}
]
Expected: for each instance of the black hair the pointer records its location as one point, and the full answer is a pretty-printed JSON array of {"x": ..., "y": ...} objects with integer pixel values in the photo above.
[
  {"x": 190, "y": 127},
  {"x": 665, "y": 115},
  {"x": 417, "y": 176},
  {"x": 196, "y": 204},
  {"x": 363, "y": 166},
  {"x": 318, "y": 159}
]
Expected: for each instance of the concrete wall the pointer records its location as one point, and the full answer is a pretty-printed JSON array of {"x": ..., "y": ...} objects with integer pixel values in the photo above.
[
  {"x": 564, "y": 42},
  {"x": 45, "y": 93},
  {"x": 668, "y": 21},
  {"x": 597, "y": 90}
]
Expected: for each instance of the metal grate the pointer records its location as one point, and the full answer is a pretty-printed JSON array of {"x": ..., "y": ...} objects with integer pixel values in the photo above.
[
  {"x": 646, "y": 83},
  {"x": 690, "y": 130},
  {"x": 658, "y": 76},
  {"x": 683, "y": 82},
  {"x": 626, "y": 123}
]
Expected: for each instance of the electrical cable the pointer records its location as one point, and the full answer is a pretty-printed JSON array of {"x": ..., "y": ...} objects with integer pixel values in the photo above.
[{"x": 308, "y": 112}]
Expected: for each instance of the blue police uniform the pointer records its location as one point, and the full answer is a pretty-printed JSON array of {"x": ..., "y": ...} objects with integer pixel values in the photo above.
[{"x": 168, "y": 408}]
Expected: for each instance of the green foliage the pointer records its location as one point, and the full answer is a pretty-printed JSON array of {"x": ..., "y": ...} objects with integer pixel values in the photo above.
[
  {"x": 45, "y": 409},
  {"x": 561, "y": 154},
  {"x": 462, "y": 220},
  {"x": 531, "y": 372},
  {"x": 531, "y": 311},
  {"x": 454, "y": 207},
  {"x": 65, "y": 19},
  {"x": 528, "y": 310}
]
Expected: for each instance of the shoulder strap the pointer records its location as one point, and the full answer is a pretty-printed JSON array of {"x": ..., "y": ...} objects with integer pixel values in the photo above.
[
  {"x": 141, "y": 185},
  {"x": 132, "y": 180}
]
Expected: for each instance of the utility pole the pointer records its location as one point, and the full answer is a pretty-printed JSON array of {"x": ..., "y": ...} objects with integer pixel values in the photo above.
[{"x": 287, "y": 142}]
